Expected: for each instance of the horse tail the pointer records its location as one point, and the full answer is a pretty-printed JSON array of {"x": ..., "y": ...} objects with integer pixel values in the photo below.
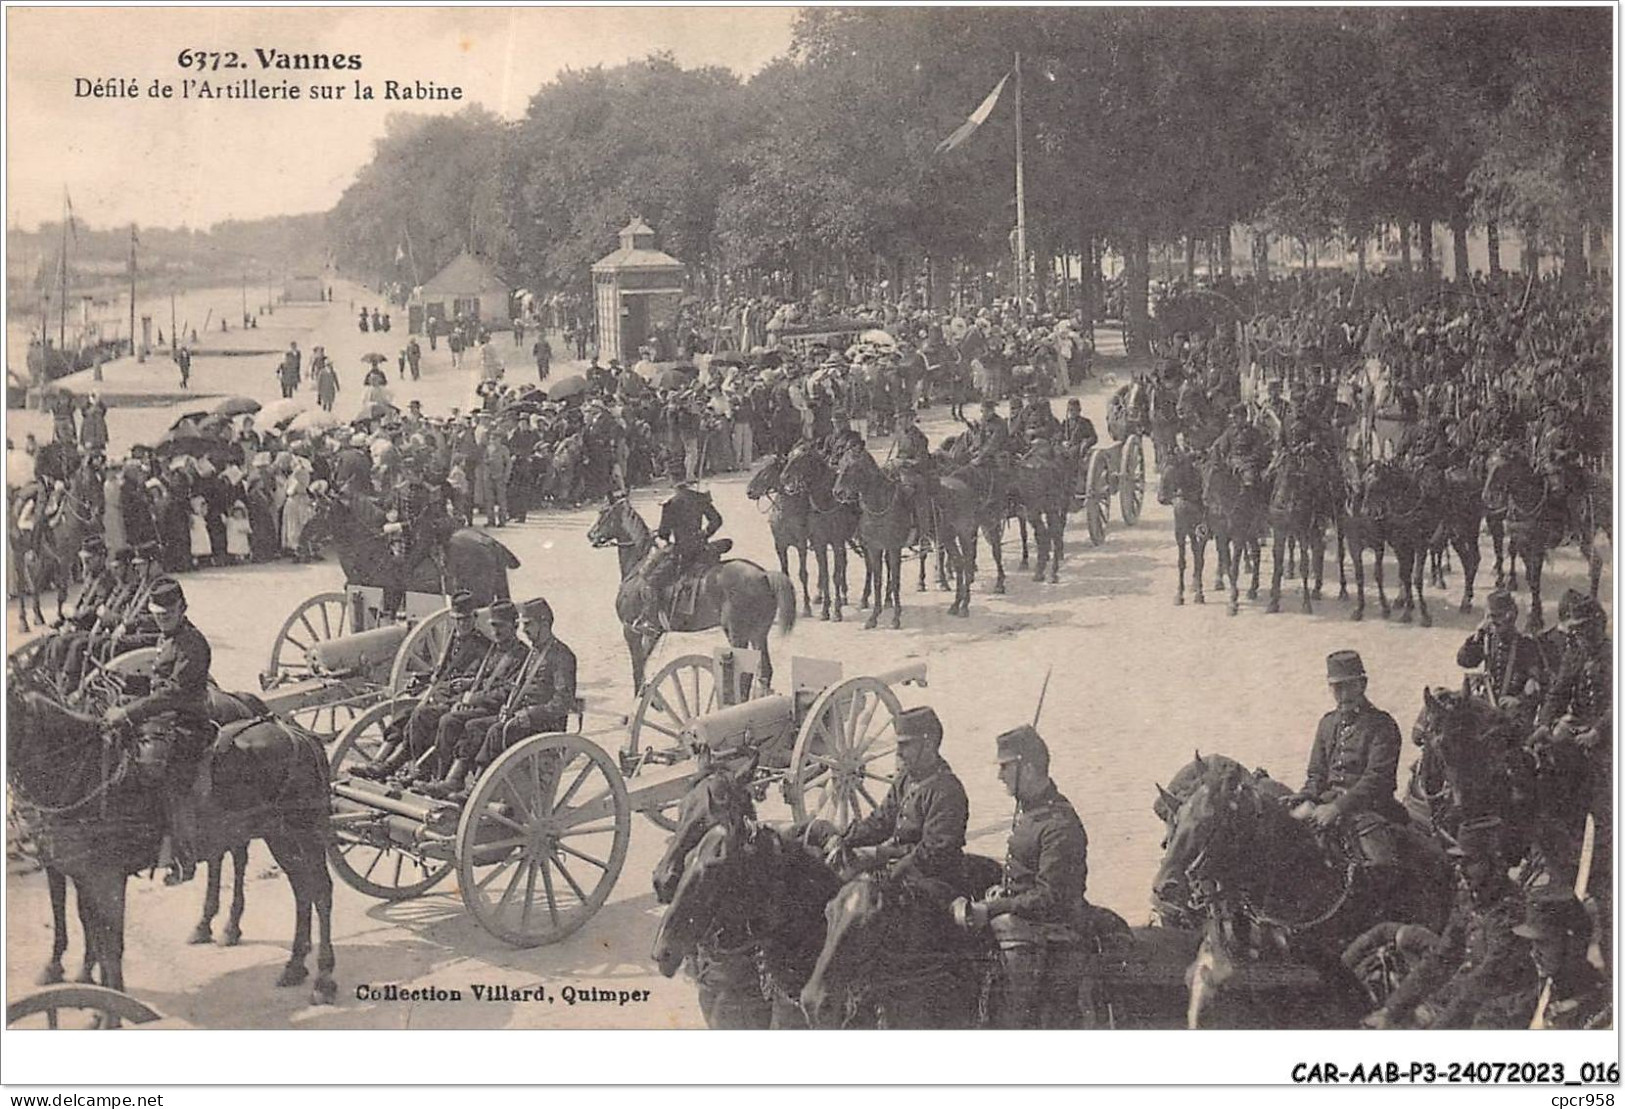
[{"x": 784, "y": 589}]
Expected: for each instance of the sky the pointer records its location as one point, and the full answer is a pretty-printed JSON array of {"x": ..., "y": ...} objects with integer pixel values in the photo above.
[{"x": 194, "y": 163}]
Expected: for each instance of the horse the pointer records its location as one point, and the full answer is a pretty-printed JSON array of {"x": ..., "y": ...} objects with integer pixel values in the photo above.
[
  {"x": 832, "y": 525},
  {"x": 736, "y": 595},
  {"x": 762, "y": 893},
  {"x": 1180, "y": 484},
  {"x": 1478, "y": 764},
  {"x": 1299, "y": 510},
  {"x": 1043, "y": 489},
  {"x": 1403, "y": 516},
  {"x": 891, "y": 946},
  {"x": 993, "y": 502},
  {"x": 1238, "y": 514},
  {"x": 97, "y": 820},
  {"x": 885, "y": 522},
  {"x": 465, "y": 558},
  {"x": 787, "y": 518},
  {"x": 1541, "y": 515},
  {"x": 1459, "y": 497},
  {"x": 1237, "y": 852}
]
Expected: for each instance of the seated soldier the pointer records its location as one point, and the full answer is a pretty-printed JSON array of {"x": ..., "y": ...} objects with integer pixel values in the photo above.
[
  {"x": 1241, "y": 446},
  {"x": 918, "y": 832},
  {"x": 174, "y": 719},
  {"x": 1354, "y": 772},
  {"x": 916, "y": 473},
  {"x": 1558, "y": 930},
  {"x": 1477, "y": 959},
  {"x": 1513, "y": 666},
  {"x": 1035, "y": 912},
  {"x": 476, "y": 701},
  {"x": 101, "y": 583},
  {"x": 92, "y": 643},
  {"x": 1077, "y": 435},
  {"x": 137, "y": 627},
  {"x": 541, "y": 696},
  {"x": 463, "y": 657}
]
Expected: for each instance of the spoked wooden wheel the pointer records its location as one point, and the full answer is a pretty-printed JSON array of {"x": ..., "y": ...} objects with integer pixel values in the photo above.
[
  {"x": 420, "y": 651},
  {"x": 97, "y": 1006},
  {"x": 1097, "y": 496},
  {"x": 842, "y": 765},
  {"x": 684, "y": 688},
  {"x": 320, "y": 618},
  {"x": 328, "y": 720},
  {"x": 1131, "y": 482},
  {"x": 362, "y": 855},
  {"x": 542, "y": 839}
]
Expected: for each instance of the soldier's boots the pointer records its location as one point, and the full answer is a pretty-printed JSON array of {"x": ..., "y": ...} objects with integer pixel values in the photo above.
[
  {"x": 387, "y": 763},
  {"x": 451, "y": 783}
]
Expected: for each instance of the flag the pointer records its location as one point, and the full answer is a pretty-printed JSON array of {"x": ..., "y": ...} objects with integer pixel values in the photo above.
[{"x": 977, "y": 118}]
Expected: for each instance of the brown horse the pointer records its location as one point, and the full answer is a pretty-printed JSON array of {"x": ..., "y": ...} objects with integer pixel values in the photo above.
[
  {"x": 736, "y": 595},
  {"x": 832, "y": 526},
  {"x": 98, "y": 820},
  {"x": 885, "y": 522},
  {"x": 1239, "y": 513},
  {"x": 788, "y": 518},
  {"x": 1180, "y": 485},
  {"x": 1542, "y": 514}
]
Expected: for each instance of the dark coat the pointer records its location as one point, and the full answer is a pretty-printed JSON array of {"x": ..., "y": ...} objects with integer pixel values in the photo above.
[
  {"x": 928, "y": 815},
  {"x": 1355, "y": 762},
  {"x": 1046, "y": 865}
]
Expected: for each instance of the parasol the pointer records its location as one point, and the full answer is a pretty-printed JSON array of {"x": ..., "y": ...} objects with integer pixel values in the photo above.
[
  {"x": 571, "y": 386},
  {"x": 669, "y": 378},
  {"x": 876, "y": 337},
  {"x": 314, "y": 420},
  {"x": 237, "y": 406},
  {"x": 189, "y": 419},
  {"x": 279, "y": 412},
  {"x": 374, "y": 358}
]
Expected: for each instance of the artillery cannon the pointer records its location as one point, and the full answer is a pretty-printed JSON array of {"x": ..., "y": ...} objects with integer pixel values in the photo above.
[{"x": 556, "y": 804}]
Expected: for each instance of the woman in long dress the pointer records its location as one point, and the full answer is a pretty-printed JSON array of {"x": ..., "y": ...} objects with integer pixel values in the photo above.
[
  {"x": 297, "y": 507},
  {"x": 327, "y": 384}
]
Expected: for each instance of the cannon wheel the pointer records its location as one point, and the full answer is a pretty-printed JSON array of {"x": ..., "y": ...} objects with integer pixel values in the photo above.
[
  {"x": 549, "y": 803},
  {"x": 682, "y": 690},
  {"x": 848, "y": 727},
  {"x": 328, "y": 721},
  {"x": 318, "y": 619},
  {"x": 387, "y": 873},
  {"x": 110, "y": 1006},
  {"x": 420, "y": 650},
  {"x": 1097, "y": 496},
  {"x": 1131, "y": 482}
]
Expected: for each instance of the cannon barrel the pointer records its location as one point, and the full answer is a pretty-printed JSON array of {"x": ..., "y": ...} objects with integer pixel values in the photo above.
[
  {"x": 757, "y": 723},
  {"x": 910, "y": 673},
  {"x": 363, "y": 651},
  {"x": 356, "y": 792}
]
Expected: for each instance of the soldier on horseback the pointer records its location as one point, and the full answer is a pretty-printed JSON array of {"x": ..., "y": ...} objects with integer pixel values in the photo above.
[
  {"x": 1241, "y": 446},
  {"x": 1036, "y": 911},
  {"x": 1077, "y": 435},
  {"x": 101, "y": 583},
  {"x": 1354, "y": 773},
  {"x": 687, "y": 522},
  {"x": 1478, "y": 958},
  {"x": 174, "y": 721},
  {"x": 1513, "y": 667},
  {"x": 916, "y": 472},
  {"x": 1558, "y": 930},
  {"x": 918, "y": 832}
]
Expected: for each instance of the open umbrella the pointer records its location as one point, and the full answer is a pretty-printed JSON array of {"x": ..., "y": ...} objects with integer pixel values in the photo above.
[
  {"x": 878, "y": 338},
  {"x": 237, "y": 406},
  {"x": 189, "y": 419},
  {"x": 670, "y": 378},
  {"x": 374, "y": 358},
  {"x": 314, "y": 420},
  {"x": 279, "y": 412},
  {"x": 571, "y": 386},
  {"x": 376, "y": 410}
]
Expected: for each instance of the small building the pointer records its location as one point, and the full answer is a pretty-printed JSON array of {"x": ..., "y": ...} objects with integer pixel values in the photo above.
[
  {"x": 636, "y": 293},
  {"x": 468, "y": 286}
]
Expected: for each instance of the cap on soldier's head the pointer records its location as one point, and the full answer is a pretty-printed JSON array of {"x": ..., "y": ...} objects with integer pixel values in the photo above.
[
  {"x": 919, "y": 723},
  {"x": 462, "y": 603},
  {"x": 504, "y": 612},
  {"x": 1478, "y": 838},
  {"x": 1576, "y": 610},
  {"x": 1553, "y": 910},
  {"x": 93, "y": 545},
  {"x": 166, "y": 596},
  {"x": 1344, "y": 666},
  {"x": 1022, "y": 744},
  {"x": 537, "y": 609},
  {"x": 1502, "y": 603}
]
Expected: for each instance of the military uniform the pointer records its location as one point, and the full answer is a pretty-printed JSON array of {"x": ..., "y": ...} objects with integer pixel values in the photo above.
[
  {"x": 1354, "y": 763},
  {"x": 1477, "y": 961},
  {"x": 542, "y": 697},
  {"x": 1078, "y": 435},
  {"x": 478, "y": 706},
  {"x": 460, "y": 664},
  {"x": 926, "y": 815},
  {"x": 1513, "y": 665}
]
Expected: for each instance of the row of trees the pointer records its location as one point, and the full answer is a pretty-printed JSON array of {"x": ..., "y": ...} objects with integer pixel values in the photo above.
[{"x": 1141, "y": 127}]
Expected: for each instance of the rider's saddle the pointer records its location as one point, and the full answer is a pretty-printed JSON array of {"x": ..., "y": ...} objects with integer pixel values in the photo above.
[{"x": 685, "y": 591}]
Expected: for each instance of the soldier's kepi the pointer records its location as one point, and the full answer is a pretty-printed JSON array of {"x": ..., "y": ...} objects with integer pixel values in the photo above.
[
  {"x": 1354, "y": 770},
  {"x": 174, "y": 719}
]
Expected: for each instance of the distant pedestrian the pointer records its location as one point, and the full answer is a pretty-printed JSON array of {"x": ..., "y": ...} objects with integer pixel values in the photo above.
[
  {"x": 327, "y": 384},
  {"x": 183, "y": 359},
  {"x": 414, "y": 355},
  {"x": 519, "y": 333},
  {"x": 544, "y": 356}
]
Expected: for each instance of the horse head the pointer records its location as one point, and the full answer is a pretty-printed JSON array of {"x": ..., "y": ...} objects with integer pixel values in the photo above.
[
  {"x": 618, "y": 525},
  {"x": 711, "y": 879},
  {"x": 859, "y": 924},
  {"x": 720, "y": 797},
  {"x": 1180, "y": 479},
  {"x": 1473, "y": 742},
  {"x": 767, "y": 479},
  {"x": 40, "y": 734},
  {"x": 1213, "y": 836},
  {"x": 855, "y": 474}
]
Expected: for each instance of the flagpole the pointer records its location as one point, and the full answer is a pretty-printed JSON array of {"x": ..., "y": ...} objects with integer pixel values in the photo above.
[{"x": 1021, "y": 207}]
